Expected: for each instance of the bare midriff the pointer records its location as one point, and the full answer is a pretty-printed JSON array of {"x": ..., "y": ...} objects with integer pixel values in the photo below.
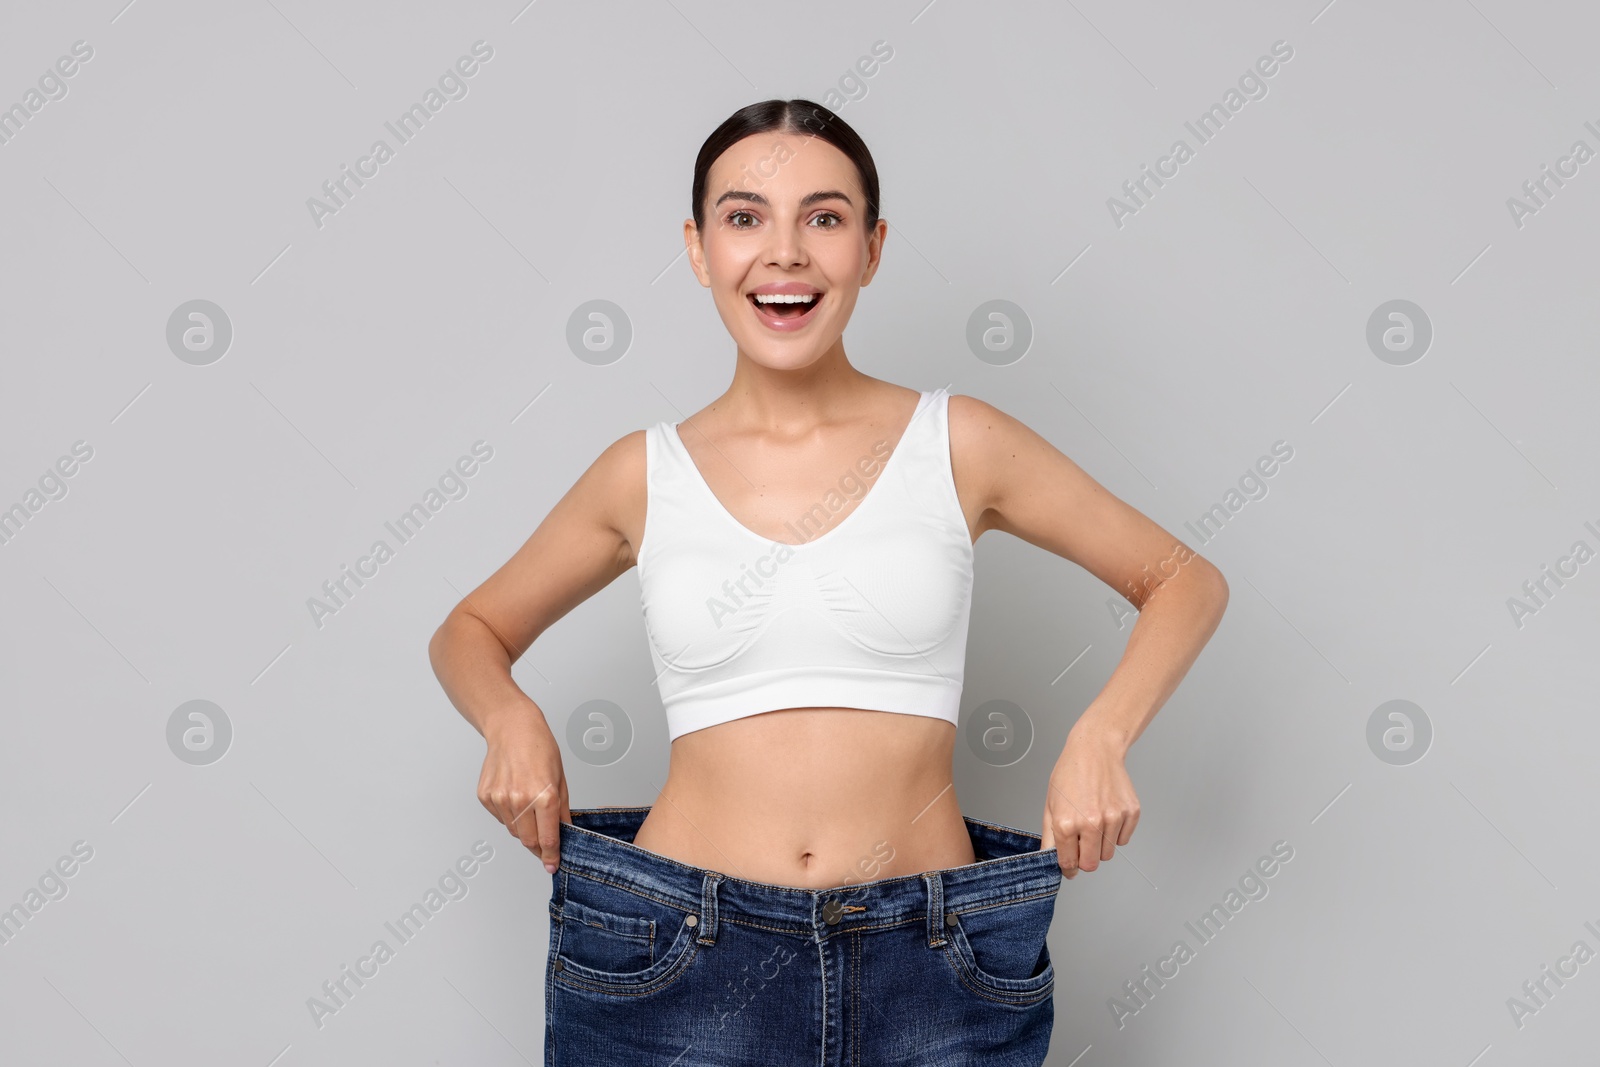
[{"x": 812, "y": 798}]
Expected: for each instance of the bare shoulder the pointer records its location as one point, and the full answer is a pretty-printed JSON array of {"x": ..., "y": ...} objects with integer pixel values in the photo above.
[
  {"x": 582, "y": 544},
  {"x": 1023, "y": 485},
  {"x": 594, "y": 526},
  {"x": 618, "y": 482},
  {"x": 984, "y": 441},
  {"x": 977, "y": 425},
  {"x": 1013, "y": 471}
]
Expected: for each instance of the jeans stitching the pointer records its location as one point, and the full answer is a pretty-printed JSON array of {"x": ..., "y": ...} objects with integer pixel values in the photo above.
[
  {"x": 971, "y": 971},
  {"x": 676, "y": 905},
  {"x": 855, "y": 995},
  {"x": 1005, "y": 903},
  {"x": 622, "y": 990},
  {"x": 1000, "y": 996}
]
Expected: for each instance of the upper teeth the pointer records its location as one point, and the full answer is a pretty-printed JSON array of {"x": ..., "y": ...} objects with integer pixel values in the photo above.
[{"x": 785, "y": 298}]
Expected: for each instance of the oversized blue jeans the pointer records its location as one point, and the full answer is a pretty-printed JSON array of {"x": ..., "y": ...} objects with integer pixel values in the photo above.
[{"x": 653, "y": 962}]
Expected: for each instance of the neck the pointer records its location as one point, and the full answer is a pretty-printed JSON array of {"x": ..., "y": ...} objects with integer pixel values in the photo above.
[{"x": 789, "y": 401}]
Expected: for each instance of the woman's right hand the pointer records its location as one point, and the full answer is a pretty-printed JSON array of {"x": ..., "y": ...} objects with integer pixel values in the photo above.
[{"x": 523, "y": 786}]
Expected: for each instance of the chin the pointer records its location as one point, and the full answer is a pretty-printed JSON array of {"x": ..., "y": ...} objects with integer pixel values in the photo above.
[{"x": 782, "y": 359}]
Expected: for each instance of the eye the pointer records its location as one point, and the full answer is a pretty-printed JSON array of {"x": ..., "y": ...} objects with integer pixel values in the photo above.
[
  {"x": 735, "y": 214},
  {"x": 837, "y": 221}
]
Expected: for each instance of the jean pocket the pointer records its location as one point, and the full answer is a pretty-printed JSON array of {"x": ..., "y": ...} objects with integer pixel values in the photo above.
[
  {"x": 613, "y": 940},
  {"x": 1001, "y": 950}
]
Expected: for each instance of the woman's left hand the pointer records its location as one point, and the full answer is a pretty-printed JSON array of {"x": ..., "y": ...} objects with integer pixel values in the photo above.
[{"x": 1091, "y": 807}]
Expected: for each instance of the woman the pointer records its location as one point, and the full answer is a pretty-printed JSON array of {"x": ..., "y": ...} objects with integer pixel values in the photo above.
[{"x": 807, "y": 889}]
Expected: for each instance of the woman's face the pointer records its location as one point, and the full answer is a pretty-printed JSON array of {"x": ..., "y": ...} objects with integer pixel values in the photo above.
[{"x": 784, "y": 212}]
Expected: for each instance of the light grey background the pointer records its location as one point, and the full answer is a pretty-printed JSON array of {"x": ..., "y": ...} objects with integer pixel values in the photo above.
[{"x": 1169, "y": 353}]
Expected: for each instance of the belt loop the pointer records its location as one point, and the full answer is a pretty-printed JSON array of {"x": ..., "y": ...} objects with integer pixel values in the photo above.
[
  {"x": 708, "y": 909},
  {"x": 935, "y": 909}
]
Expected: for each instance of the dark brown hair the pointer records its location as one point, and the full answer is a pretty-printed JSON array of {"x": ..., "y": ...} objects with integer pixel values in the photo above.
[{"x": 786, "y": 116}]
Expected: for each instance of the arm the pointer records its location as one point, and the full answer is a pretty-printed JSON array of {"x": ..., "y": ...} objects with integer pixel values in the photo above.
[
  {"x": 576, "y": 551},
  {"x": 1027, "y": 488}
]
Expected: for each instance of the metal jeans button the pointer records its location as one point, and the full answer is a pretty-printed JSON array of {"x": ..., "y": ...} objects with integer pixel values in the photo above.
[
  {"x": 692, "y": 920},
  {"x": 949, "y": 918},
  {"x": 832, "y": 911}
]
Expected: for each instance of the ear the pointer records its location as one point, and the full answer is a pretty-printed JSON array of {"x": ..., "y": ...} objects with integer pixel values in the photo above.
[
  {"x": 697, "y": 254},
  {"x": 874, "y": 250}
]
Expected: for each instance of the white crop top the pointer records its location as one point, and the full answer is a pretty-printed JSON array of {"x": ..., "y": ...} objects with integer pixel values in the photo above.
[{"x": 871, "y": 613}]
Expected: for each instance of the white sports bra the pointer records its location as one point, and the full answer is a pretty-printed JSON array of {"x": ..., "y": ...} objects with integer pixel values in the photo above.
[{"x": 871, "y": 613}]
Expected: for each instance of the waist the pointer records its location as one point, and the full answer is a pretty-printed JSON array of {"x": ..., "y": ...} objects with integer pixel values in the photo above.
[
  {"x": 1008, "y": 865},
  {"x": 812, "y": 797}
]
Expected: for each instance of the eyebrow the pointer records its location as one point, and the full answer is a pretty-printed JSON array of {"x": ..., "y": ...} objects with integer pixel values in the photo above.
[{"x": 805, "y": 201}]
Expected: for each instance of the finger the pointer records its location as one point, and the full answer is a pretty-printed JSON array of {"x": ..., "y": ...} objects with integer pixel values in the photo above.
[
  {"x": 1067, "y": 850},
  {"x": 540, "y": 827},
  {"x": 550, "y": 837},
  {"x": 1110, "y": 833},
  {"x": 525, "y": 824},
  {"x": 1128, "y": 824},
  {"x": 510, "y": 809},
  {"x": 1068, "y": 831},
  {"x": 1089, "y": 845},
  {"x": 1047, "y": 841},
  {"x": 494, "y": 801}
]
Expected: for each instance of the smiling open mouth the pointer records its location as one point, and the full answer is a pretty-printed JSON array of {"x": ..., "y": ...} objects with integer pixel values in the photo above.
[{"x": 785, "y": 311}]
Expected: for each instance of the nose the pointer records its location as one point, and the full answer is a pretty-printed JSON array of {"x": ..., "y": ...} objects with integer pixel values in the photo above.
[{"x": 785, "y": 246}]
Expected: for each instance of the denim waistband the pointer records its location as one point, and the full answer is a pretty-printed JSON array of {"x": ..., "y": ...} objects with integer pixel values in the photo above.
[{"x": 598, "y": 844}]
